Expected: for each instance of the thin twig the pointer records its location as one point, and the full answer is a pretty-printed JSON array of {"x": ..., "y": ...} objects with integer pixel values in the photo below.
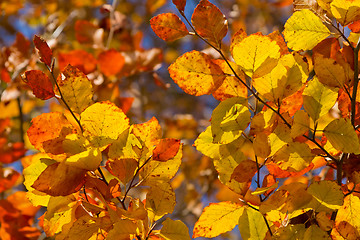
[
  {"x": 356, "y": 81},
  {"x": 21, "y": 118},
  {"x": 112, "y": 29}
]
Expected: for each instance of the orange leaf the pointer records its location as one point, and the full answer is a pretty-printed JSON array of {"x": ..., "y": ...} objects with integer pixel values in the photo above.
[
  {"x": 80, "y": 59},
  {"x": 110, "y": 62},
  {"x": 44, "y": 50},
  {"x": 209, "y": 22},
  {"x": 123, "y": 168},
  {"x": 355, "y": 26},
  {"x": 8, "y": 178},
  {"x": 268, "y": 181},
  {"x": 59, "y": 179},
  {"x": 166, "y": 149},
  {"x": 328, "y": 48},
  {"x": 168, "y": 26},
  {"x": 40, "y": 84},
  {"x": 275, "y": 170},
  {"x": 244, "y": 171},
  {"x": 180, "y": 4},
  {"x": 4, "y": 75},
  {"x": 48, "y": 131}
]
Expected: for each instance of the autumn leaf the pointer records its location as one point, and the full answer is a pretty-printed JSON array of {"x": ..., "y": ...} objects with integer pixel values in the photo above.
[
  {"x": 180, "y": 4},
  {"x": 44, "y": 50},
  {"x": 80, "y": 59},
  {"x": 347, "y": 220},
  {"x": 196, "y": 74},
  {"x": 84, "y": 31},
  {"x": 244, "y": 171},
  {"x": 209, "y": 22},
  {"x": 345, "y": 11},
  {"x": 123, "y": 168},
  {"x": 256, "y": 54},
  {"x": 172, "y": 230},
  {"x": 304, "y": 30},
  {"x": 76, "y": 89},
  {"x": 110, "y": 62},
  {"x": 103, "y": 122},
  {"x": 168, "y": 27},
  {"x": 166, "y": 149},
  {"x": 329, "y": 72},
  {"x": 252, "y": 224},
  {"x": 217, "y": 218},
  {"x": 40, "y": 84},
  {"x": 342, "y": 136},
  {"x": 122, "y": 230}
]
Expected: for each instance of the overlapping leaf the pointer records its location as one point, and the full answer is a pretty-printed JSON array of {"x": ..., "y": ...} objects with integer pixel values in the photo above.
[
  {"x": 327, "y": 196},
  {"x": 345, "y": 11},
  {"x": 252, "y": 224},
  {"x": 196, "y": 74},
  {"x": 304, "y": 30}
]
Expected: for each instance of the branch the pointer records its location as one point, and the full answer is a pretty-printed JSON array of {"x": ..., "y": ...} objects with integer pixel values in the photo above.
[{"x": 356, "y": 82}]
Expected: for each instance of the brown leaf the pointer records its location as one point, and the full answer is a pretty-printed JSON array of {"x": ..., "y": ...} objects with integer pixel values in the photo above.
[
  {"x": 244, "y": 171},
  {"x": 44, "y": 50},
  {"x": 180, "y": 4},
  {"x": 40, "y": 84}
]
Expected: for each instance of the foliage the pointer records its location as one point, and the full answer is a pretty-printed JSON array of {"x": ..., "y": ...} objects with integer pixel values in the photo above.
[{"x": 95, "y": 168}]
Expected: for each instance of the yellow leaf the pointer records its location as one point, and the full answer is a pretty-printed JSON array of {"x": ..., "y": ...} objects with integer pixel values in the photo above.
[
  {"x": 252, "y": 224},
  {"x": 304, "y": 30},
  {"x": 174, "y": 230},
  {"x": 229, "y": 119},
  {"x": 76, "y": 89},
  {"x": 329, "y": 72},
  {"x": 160, "y": 199},
  {"x": 342, "y": 136},
  {"x": 256, "y": 54},
  {"x": 286, "y": 78},
  {"x": 196, "y": 74},
  {"x": 31, "y": 173},
  {"x": 60, "y": 211},
  {"x": 217, "y": 218},
  {"x": 89, "y": 159},
  {"x": 124, "y": 146},
  {"x": 314, "y": 232},
  {"x": 231, "y": 87},
  {"x": 327, "y": 196},
  {"x": 209, "y": 22},
  {"x": 162, "y": 170},
  {"x": 291, "y": 232},
  {"x": 345, "y": 11},
  {"x": 86, "y": 227},
  {"x": 318, "y": 99},
  {"x": 263, "y": 121},
  {"x": 301, "y": 124},
  {"x": 279, "y": 138},
  {"x": 347, "y": 220},
  {"x": 103, "y": 122},
  {"x": 259, "y": 191},
  {"x": 124, "y": 229},
  {"x": 294, "y": 156},
  {"x": 148, "y": 132},
  {"x": 261, "y": 145}
]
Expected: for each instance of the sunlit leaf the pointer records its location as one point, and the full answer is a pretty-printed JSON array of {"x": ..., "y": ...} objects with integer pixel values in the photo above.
[
  {"x": 256, "y": 54},
  {"x": 329, "y": 72},
  {"x": 168, "y": 26},
  {"x": 229, "y": 119},
  {"x": 174, "y": 230},
  {"x": 196, "y": 74},
  {"x": 103, "y": 122},
  {"x": 263, "y": 190},
  {"x": 160, "y": 200},
  {"x": 301, "y": 124},
  {"x": 217, "y": 218},
  {"x": 209, "y": 22},
  {"x": 123, "y": 230},
  {"x": 318, "y": 99},
  {"x": 44, "y": 50},
  {"x": 40, "y": 84},
  {"x": 59, "y": 179},
  {"x": 252, "y": 224},
  {"x": 345, "y": 11},
  {"x": 231, "y": 87},
  {"x": 303, "y": 30},
  {"x": 76, "y": 89},
  {"x": 327, "y": 196},
  {"x": 89, "y": 159},
  {"x": 347, "y": 220},
  {"x": 342, "y": 136}
]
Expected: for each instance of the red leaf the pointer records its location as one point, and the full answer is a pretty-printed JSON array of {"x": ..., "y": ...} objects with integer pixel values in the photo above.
[
  {"x": 5, "y": 76},
  {"x": 180, "y": 4},
  {"x": 84, "y": 31},
  {"x": 8, "y": 179},
  {"x": 355, "y": 26},
  {"x": 40, "y": 84},
  {"x": 44, "y": 50},
  {"x": 166, "y": 149}
]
